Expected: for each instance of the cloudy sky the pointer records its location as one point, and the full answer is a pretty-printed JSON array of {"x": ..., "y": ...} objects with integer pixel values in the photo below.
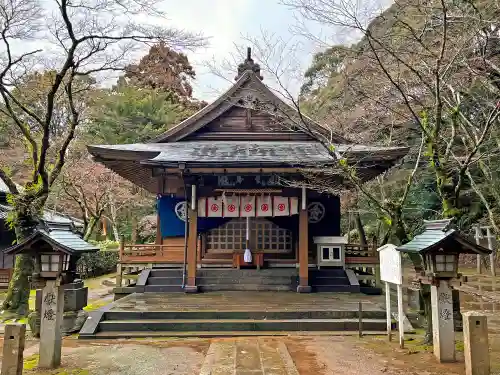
[{"x": 227, "y": 22}]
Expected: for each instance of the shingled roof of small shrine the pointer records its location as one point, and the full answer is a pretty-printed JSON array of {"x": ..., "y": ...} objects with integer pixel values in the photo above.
[
  {"x": 437, "y": 233},
  {"x": 61, "y": 236}
]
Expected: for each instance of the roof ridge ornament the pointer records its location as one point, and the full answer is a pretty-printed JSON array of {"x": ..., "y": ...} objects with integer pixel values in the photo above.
[{"x": 249, "y": 64}]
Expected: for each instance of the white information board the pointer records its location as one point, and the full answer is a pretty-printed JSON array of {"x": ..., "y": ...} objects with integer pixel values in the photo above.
[{"x": 391, "y": 269}]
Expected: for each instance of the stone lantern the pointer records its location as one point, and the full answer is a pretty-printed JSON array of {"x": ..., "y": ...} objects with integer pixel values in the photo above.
[
  {"x": 434, "y": 254},
  {"x": 55, "y": 247}
]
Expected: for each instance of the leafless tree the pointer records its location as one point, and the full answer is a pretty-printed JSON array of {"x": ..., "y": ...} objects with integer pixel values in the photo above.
[{"x": 74, "y": 39}]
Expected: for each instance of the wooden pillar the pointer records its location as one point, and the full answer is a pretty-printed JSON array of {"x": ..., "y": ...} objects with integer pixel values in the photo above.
[
  {"x": 160, "y": 189},
  {"x": 192, "y": 245},
  {"x": 159, "y": 240},
  {"x": 303, "y": 247}
]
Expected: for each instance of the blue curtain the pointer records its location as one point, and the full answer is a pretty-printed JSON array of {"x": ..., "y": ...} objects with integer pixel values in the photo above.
[
  {"x": 172, "y": 226},
  {"x": 330, "y": 224}
]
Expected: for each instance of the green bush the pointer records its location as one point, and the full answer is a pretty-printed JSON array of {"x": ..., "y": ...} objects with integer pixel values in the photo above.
[{"x": 99, "y": 263}]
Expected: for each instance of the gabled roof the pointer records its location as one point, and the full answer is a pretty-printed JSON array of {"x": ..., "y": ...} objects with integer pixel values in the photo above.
[
  {"x": 264, "y": 153},
  {"x": 439, "y": 233},
  {"x": 230, "y": 99},
  {"x": 208, "y": 151},
  {"x": 60, "y": 236}
]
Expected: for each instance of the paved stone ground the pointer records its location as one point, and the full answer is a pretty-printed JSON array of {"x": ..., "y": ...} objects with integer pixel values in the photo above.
[
  {"x": 328, "y": 355},
  {"x": 247, "y": 301},
  {"x": 255, "y": 356}
]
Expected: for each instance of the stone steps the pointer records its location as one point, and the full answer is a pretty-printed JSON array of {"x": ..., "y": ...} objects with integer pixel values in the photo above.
[
  {"x": 283, "y": 280},
  {"x": 244, "y": 287},
  {"x": 214, "y": 334},
  {"x": 336, "y": 288},
  {"x": 254, "y": 315},
  {"x": 163, "y": 288},
  {"x": 225, "y": 272},
  {"x": 168, "y": 325}
]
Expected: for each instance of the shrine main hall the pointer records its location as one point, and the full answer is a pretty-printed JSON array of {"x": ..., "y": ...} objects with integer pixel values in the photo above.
[{"x": 237, "y": 203}]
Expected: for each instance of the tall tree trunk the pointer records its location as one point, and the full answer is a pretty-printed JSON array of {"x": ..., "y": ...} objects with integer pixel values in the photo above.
[
  {"x": 90, "y": 228},
  {"x": 361, "y": 230},
  {"x": 112, "y": 210},
  {"x": 17, "y": 299}
]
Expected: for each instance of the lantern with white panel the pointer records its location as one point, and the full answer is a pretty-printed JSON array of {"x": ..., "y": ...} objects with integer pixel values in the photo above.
[{"x": 330, "y": 250}]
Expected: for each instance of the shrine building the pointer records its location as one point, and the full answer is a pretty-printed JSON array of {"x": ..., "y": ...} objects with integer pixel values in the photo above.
[{"x": 231, "y": 178}]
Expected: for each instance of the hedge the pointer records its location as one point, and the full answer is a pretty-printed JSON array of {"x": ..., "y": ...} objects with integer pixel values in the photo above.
[{"x": 100, "y": 263}]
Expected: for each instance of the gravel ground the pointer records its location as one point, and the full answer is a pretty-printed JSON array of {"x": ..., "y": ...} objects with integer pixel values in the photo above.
[
  {"x": 350, "y": 356},
  {"x": 128, "y": 359}
]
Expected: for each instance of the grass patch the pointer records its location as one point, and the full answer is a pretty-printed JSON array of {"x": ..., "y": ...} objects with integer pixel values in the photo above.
[
  {"x": 31, "y": 362},
  {"x": 31, "y": 366},
  {"x": 95, "y": 305}
]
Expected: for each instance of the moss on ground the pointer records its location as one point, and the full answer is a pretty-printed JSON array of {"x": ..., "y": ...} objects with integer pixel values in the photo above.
[
  {"x": 96, "y": 305},
  {"x": 31, "y": 362},
  {"x": 30, "y": 366}
]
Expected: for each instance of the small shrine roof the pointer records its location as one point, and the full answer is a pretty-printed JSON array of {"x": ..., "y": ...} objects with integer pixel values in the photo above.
[
  {"x": 438, "y": 233},
  {"x": 60, "y": 236}
]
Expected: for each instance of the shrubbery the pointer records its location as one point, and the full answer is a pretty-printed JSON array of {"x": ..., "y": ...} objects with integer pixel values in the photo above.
[{"x": 100, "y": 263}]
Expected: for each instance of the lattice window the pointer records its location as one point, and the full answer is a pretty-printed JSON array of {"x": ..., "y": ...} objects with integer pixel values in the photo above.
[{"x": 264, "y": 236}]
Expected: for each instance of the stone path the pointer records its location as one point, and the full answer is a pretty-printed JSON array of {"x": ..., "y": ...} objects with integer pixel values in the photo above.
[{"x": 249, "y": 356}]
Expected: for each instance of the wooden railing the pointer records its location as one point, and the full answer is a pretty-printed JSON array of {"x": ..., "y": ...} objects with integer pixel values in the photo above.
[
  {"x": 151, "y": 253},
  {"x": 173, "y": 252},
  {"x": 362, "y": 255}
]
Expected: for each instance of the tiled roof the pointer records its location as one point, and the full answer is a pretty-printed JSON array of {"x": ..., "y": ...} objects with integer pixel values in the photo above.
[
  {"x": 61, "y": 236},
  {"x": 437, "y": 232},
  {"x": 291, "y": 153}
]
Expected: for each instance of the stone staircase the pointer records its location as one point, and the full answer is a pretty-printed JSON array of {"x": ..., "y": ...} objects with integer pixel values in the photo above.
[
  {"x": 331, "y": 280},
  {"x": 129, "y": 324},
  {"x": 208, "y": 280}
]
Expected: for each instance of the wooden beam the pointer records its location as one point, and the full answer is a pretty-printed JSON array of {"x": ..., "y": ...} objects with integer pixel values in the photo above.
[
  {"x": 191, "y": 251},
  {"x": 241, "y": 170},
  {"x": 303, "y": 253}
]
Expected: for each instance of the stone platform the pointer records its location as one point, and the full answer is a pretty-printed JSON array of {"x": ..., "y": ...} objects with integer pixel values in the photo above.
[{"x": 233, "y": 314}]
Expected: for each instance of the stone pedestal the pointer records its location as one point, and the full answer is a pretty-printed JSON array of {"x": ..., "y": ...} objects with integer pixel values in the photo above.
[
  {"x": 13, "y": 348},
  {"x": 476, "y": 348},
  {"x": 51, "y": 321},
  {"x": 75, "y": 299},
  {"x": 416, "y": 303},
  {"x": 442, "y": 322}
]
